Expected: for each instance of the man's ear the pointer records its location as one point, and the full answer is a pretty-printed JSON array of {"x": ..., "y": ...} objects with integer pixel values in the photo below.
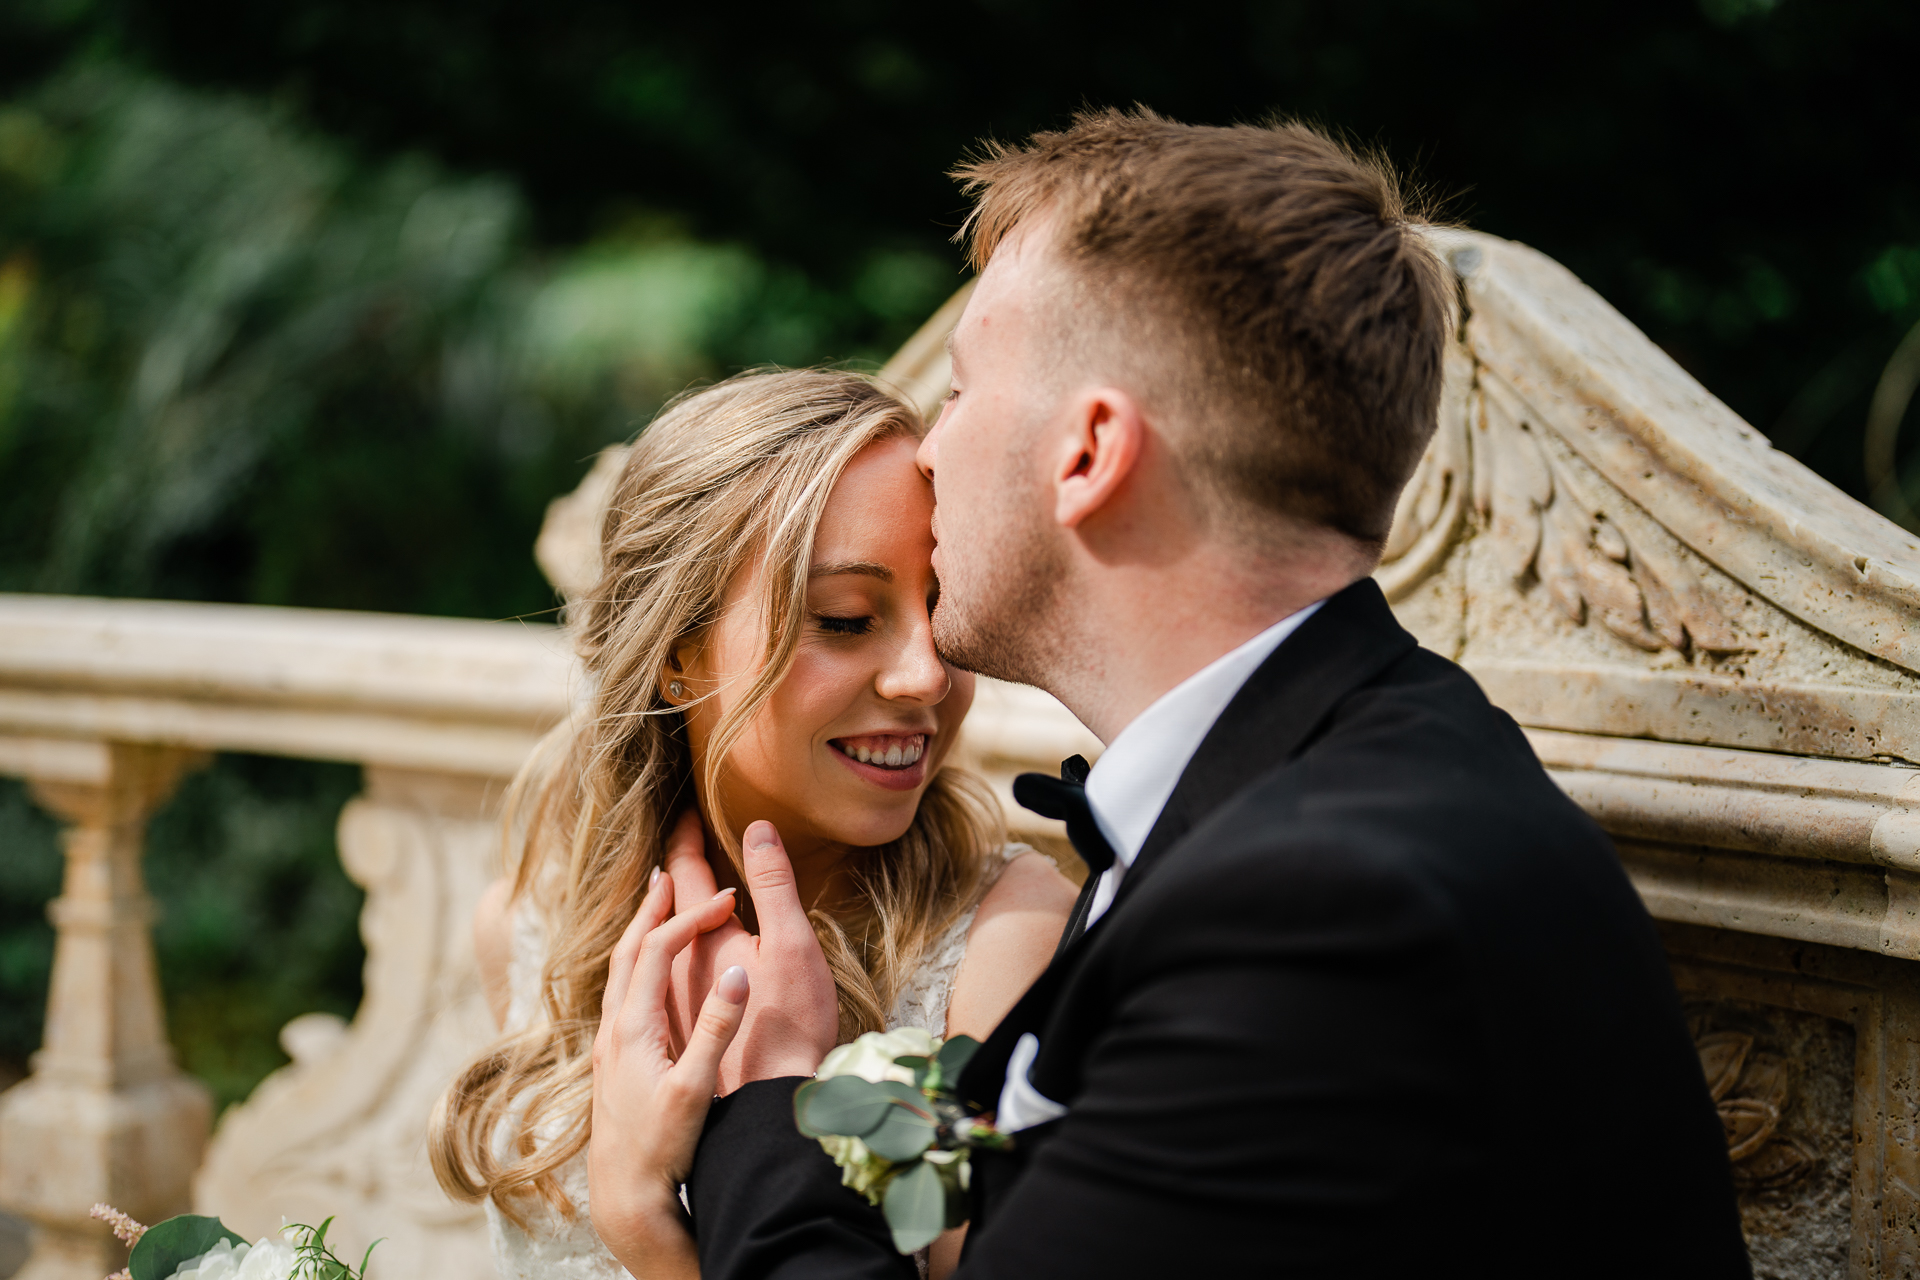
[{"x": 1106, "y": 435}]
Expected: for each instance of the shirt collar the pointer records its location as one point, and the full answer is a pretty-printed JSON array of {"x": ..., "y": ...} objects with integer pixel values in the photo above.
[{"x": 1136, "y": 774}]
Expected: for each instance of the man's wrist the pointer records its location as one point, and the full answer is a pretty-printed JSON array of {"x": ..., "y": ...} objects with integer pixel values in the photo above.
[{"x": 802, "y": 1063}]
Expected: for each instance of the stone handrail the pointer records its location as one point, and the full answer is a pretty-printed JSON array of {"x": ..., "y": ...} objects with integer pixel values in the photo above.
[
  {"x": 104, "y": 705},
  {"x": 409, "y": 692}
]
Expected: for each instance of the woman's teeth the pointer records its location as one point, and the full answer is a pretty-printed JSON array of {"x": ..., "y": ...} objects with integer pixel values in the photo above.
[{"x": 887, "y": 753}]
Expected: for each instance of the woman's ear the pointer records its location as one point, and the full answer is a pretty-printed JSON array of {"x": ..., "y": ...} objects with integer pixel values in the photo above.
[
  {"x": 674, "y": 681},
  {"x": 1106, "y": 436}
]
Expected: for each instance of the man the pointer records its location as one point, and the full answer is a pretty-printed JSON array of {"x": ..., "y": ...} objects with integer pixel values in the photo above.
[{"x": 1358, "y": 991}]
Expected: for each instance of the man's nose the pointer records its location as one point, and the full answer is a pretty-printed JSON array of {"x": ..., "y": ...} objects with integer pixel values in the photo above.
[
  {"x": 916, "y": 673},
  {"x": 923, "y": 457}
]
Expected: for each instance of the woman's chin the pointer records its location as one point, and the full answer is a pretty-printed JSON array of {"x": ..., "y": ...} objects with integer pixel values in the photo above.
[{"x": 866, "y": 827}]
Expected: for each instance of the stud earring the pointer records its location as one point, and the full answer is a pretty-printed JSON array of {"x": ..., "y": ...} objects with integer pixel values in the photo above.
[{"x": 677, "y": 689}]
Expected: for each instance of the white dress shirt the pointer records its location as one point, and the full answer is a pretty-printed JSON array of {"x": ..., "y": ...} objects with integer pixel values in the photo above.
[
  {"x": 1136, "y": 774},
  {"x": 1126, "y": 791}
]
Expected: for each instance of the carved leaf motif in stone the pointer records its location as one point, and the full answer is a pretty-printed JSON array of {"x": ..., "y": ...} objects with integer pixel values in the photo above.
[
  {"x": 1543, "y": 526},
  {"x": 1722, "y": 1056},
  {"x": 1434, "y": 501},
  {"x": 1750, "y": 1090}
]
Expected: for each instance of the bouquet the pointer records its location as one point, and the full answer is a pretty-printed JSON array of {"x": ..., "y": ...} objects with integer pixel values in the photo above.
[
  {"x": 883, "y": 1107},
  {"x": 193, "y": 1247}
]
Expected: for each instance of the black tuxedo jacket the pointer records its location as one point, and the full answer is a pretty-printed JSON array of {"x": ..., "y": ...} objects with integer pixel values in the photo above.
[{"x": 1375, "y": 998}]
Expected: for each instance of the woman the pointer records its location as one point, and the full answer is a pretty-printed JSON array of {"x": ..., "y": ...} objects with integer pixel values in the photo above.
[{"x": 758, "y": 647}]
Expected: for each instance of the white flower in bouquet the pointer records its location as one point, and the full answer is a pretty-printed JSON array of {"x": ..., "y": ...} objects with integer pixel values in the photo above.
[
  {"x": 264, "y": 1259},
  {"x": 871, "y": 1056},
  {"x": 860, "y": 1169}
]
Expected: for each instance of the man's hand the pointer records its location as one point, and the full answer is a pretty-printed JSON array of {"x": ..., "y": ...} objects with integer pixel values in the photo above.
[
  {"x": 650, "y": 1102},
  {"x": 793, "y": 1016}
]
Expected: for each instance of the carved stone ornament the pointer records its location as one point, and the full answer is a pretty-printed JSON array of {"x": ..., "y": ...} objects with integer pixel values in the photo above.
[
  {"x": 1610, "y": 549},
  {"x": 1751, "y": 1092}
]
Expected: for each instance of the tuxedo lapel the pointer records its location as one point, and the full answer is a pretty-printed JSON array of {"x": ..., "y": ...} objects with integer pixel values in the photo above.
[
  {"x": 1350, "y": 640},
  {"x": 1278, "y": 712}
]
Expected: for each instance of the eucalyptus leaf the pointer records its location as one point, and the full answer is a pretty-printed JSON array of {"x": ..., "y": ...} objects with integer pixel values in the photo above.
[
  {"x": 840, "y": 1106},
  {"x": 168, "y": 1244},
  {"x": 916, "y": 1208},
  {"x": 917, "y": 1063},
  {"x": 906, "y": 1129},
  {"x": 954, "y": 1056}
]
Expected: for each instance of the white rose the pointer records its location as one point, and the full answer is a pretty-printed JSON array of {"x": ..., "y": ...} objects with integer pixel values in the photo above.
[
  {"x": 269, "y": 1259},
  {"x": 860, "y": 1169},
  {"x": 222, "y": 1262},
  {"x": 871, "y": 1057}
]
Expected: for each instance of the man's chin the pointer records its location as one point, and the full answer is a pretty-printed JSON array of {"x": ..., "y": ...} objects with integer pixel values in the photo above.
[{"x": 986, "y": 653}]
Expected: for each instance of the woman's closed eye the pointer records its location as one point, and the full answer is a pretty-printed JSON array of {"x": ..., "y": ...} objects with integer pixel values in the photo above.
[{"x": 844, "y": 626}]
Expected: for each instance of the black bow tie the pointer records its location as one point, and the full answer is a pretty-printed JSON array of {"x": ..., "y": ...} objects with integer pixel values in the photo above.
[{"x": 1065, "y": 798}]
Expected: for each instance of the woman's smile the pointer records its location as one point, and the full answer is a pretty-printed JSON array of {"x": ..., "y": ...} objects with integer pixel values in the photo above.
[{"x": 895, "y": 761}]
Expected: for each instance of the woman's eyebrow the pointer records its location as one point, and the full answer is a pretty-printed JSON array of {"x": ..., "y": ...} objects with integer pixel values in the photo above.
[{"x": 865, "y": 567}]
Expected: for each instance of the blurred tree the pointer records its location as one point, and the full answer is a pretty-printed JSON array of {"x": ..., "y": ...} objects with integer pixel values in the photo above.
[
  {"x": 29, "y": 878},
  {"x": 258, "y": 922},
  {"x": 236, "y": 362},
  {"x": 1734, "y": 174}
]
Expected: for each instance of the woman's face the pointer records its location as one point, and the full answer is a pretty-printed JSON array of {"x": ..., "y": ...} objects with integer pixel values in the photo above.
[{"x": 841, "y": 753}]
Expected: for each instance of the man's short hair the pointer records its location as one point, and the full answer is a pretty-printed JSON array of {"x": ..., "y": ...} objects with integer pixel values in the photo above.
[{"x": 1269, "y": 292}]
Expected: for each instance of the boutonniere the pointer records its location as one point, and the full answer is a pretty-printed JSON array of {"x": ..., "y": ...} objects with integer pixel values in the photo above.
[{"x": 883, "y": 1107}]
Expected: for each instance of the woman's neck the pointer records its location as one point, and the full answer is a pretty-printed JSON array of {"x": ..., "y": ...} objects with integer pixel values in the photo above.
[{"x": 821, "y": 871}]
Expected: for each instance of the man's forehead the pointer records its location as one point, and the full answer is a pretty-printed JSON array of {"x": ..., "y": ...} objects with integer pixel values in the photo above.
[{"x": 1003, "y": 300}]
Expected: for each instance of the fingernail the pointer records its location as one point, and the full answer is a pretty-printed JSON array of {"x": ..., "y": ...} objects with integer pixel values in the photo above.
[
  {"x": 761, "y": 835},
  {"x": 722, "y": 894},
  {"x": 733, "y": 985},
  {"x": 653, "y": 879}
]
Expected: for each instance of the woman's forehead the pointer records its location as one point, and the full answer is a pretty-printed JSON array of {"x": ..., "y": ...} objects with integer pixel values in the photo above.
[{"x": 880, "y": 510}]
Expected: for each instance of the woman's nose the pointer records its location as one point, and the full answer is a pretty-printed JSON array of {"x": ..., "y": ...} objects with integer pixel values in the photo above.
[{"x": 916, "y": 673}]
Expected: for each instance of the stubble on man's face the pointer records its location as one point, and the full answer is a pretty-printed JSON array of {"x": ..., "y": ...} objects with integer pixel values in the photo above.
[
  {"x": 999, "y": 574},
  {"x": 999, "y": 558}
]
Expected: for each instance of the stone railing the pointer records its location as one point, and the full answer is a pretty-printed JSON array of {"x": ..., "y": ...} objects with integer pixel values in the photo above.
[
  {"x": 104, "y": 705},
  {"x": 1712, "y": 650}
]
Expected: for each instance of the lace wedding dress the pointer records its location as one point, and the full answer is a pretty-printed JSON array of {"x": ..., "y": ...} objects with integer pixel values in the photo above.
[{"x": 555, "y": 1246}]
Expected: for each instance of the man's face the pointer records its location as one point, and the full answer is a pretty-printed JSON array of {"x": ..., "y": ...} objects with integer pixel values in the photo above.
[{"x": 999, "y": 555}]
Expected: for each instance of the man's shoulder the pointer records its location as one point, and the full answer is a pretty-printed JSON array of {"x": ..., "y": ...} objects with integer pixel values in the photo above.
[
  {"x": 1418, "y": 738},
  {"x": 1415, "y": 791}
]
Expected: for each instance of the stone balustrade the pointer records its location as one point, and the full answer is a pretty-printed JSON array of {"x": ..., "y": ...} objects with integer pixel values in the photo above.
[{"x": 104, "y": 705}]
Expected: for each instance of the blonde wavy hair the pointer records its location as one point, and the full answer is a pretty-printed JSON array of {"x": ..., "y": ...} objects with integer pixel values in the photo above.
[{"x": 738, "y": 471}]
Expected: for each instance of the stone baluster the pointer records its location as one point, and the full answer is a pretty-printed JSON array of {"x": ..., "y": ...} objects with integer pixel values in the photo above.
[
  {"x": 342, "y": 1129},
  {"x": 105, "y": 1115}
]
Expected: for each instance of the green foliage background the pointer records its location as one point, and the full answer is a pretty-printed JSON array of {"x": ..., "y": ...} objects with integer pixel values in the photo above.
[{"x": 318, "y": 303}]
